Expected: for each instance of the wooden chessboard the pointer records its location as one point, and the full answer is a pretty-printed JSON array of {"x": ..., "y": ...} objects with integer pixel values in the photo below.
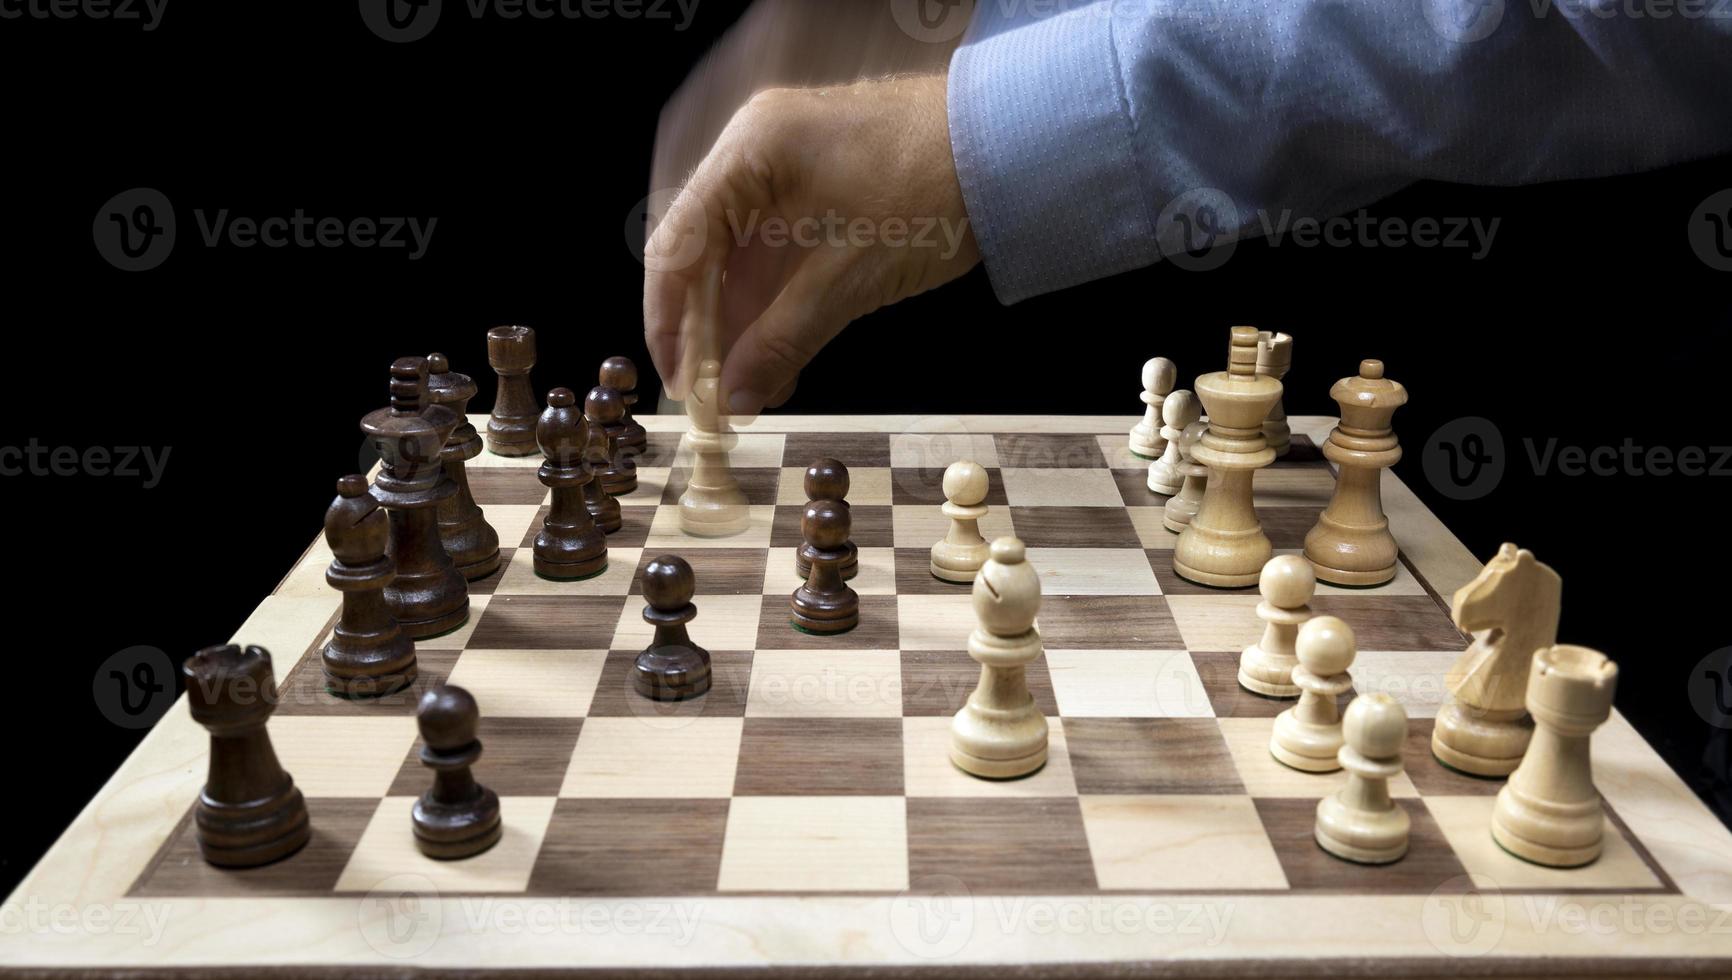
[{"x": 803, "y": 814}]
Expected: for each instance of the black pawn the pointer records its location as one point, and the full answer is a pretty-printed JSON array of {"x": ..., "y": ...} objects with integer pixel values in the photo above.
[
  {"x": 827, "y": 479},
  {"x": 620, "y": 374},
  {"x": 458, "y": 817},
  {"x": 250, "y": 812},
  {"x": 825, "y": 604},
  {"x": 672, "y": 667},
  {"x": 368, "y": 654},
  {"x": 600, "y": 407},
  {"x": 605, "y": 409},
  {"x": 569, "y": 546}
]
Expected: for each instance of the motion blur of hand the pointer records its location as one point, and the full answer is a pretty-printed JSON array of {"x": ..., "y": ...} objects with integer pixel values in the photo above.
[{"x": 816, "y": 206}]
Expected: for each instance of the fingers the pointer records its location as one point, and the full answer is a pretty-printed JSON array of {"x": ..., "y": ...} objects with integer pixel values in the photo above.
[{"x": 765, "y": 363}]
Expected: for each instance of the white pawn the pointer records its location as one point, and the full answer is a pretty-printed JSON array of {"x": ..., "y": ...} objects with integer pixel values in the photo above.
[
  {"x": 1361, "y": 823},
  {"x": 1178, "y": 411},
  {"x": 1000, "y": 733},
  {"x": 713, "y": 505},
  {"x": 1308, "y": 735},
  {"x": 1159, "y": 376},
  {"x": 963, "y": 550},
  {"x": 1179, "y": 511},
  {"x": 1266, "y": 667}
]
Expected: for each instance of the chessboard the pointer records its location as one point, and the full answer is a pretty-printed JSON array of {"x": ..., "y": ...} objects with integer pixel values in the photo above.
[{"x": 803, "y": 815}]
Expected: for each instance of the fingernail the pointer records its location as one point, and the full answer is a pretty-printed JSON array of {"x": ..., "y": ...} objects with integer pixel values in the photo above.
[{"x": 744, "y": 403}]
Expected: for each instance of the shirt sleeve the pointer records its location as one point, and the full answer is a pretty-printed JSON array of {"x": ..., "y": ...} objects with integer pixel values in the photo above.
[{"x": 1088, "y": 134}]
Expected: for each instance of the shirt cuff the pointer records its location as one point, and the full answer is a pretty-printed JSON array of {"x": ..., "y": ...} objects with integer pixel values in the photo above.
[{"x": 1042, "y": 139}]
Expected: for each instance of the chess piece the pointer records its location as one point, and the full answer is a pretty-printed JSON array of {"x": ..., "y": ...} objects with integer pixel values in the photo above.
[
  {"x": 672, "y": 667},
  {"x": 368, "y": 654},
  {"x": 1274, "y": 359},
  {"x": 616, "y": 471},
  {"x": 620, "y": 374},
  {"x": 1266, "y": 667},
  {"x": 599, "y": 407},
  {"x": 1511, "y": 609},
  {"x": 1224, "y": 545},
  {"x": 1181, "y": 510},
  {"x": 457, "y": 817},
  {"x": 1178, "y": 412},
  {"x": 827, "y": 479},
  {"x": 1549, "y": 812},
  {"x": 1308, "y": 735},
  {"x": 1147, "y": 437},
  {"x": 713, "y": 505},
  {"x": 569, "y": 546},
  {"x": 1350, "y": 544},
  {"x": 511, "y": 427},
  {"x": 429, "y": 596},
  {"x": 471, "y": 542},
  {"x": 1361, "y": 823},
  {"x": 825, "y": 604},
  {"x": 249, "y": 812},
  {"x": 1000, "y": 733},
  {"x": 962, "y": 551}
]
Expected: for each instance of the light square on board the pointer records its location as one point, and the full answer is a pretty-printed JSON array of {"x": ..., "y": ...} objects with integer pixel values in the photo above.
[
  {"x": 530, "y": 683},
  {"x": 992, "y": 850},
  {"x": 924, "y": 525},
  {"x": 1116, "y": 449},
  {"x": 1267, "y": 777},
  {"x": 1428, "y": 864},
  {"x": 512, "y": 521},
  {"x": 815, "y": 844},
  {"x": 935, "y": 622},
  {"x": 625, "y": 758},
  {"x": 342, "y": 755},
  {"x": 1416, "y": 679},
  {"x": 631, "y": 847},
  {"x": 1032, "y": 450},
  {"x": 1061, "y": 488},
  {"x": 1179, "y": 843},
  {"x": 1152, "y": 532},
  {"x": 825, "y": 684},
  {"x": 617, "y": 697},
  {"x": 928, "y": 771},
  {"x": 867, "y": 485},
  {"x": 1093, "y": 571},
  {"x": 1466, "y": 822},
  {"x": 665, "y": 532},
  {"x": 1127, "y": 684},
  {"x": 724, "y": 622},
  {"x": 520, "y": 757},
  {"x": 877, "y": 574},
  {"x": 519, "y": 577},
  {"x": 939, "y": 443},
  {"x": 652, "y": 482},
  {"x": 820, "y": 757},
  {"x": 387, "y": 850},
  {"x": 1074, "y": 527},
  {"x": 1292, "y": 486},
  {"x": 1143, "y": 756}
]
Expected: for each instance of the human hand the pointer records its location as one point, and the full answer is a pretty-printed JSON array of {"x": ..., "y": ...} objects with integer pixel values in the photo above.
[{"x": 814, "y": 207}]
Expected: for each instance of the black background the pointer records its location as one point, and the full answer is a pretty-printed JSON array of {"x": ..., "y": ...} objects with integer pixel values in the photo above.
[{"x": 1591, "y": 320}]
